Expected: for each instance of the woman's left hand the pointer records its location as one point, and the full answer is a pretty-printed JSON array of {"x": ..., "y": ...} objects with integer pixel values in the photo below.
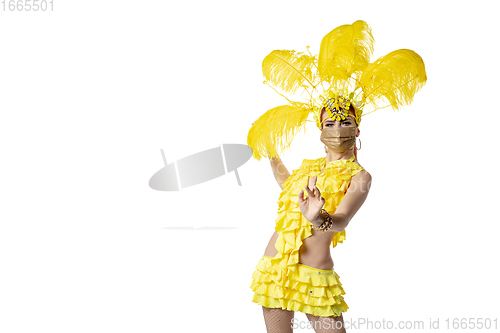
[{"x": 312, "y": 205}]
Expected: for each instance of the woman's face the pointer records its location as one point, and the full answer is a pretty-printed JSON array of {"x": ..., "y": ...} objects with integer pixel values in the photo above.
[{"x": 347, "y": 122}]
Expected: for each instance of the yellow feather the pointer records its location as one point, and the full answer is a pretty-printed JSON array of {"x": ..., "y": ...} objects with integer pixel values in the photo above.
[
  {"x": 345, "y": 50},
  {"x": 273, "y": 132},
  {"x": 395, "y": 77},
  {"x": 288, "y": 70}
]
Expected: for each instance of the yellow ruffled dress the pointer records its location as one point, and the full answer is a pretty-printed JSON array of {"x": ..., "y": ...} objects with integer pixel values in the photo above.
[{"x": 281, "y": 282}]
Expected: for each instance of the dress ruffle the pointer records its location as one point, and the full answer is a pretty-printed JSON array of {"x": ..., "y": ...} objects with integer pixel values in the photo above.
[
  {"x": 308, "y": 291},
  {"x": 279, "y": 281}
]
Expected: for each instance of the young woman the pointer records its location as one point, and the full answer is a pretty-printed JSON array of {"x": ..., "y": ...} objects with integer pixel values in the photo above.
[
  {"x": 320, "y": 198},
  {"x": 338, "y": 183}
]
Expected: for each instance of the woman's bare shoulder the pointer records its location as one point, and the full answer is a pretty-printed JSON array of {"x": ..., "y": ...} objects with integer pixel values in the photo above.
[
  {"x": 362, "y": 181},
  {"x": 363, "y": 174},
  {"x": 364, "y": 170}
]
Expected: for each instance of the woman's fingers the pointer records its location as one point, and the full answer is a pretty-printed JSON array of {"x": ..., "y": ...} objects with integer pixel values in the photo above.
[
  {"x": 320, "y": 197},
  {"x": 301, "y": 197},
  {"x": 309, "y": 192},
  {"x": 318, "y": 193},
  {"x": 315, "y": 193},
  {"x": 312, "y": 181}
]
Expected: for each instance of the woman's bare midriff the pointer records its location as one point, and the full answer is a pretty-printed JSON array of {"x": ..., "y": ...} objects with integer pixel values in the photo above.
[{"x": 314, "y": 252}]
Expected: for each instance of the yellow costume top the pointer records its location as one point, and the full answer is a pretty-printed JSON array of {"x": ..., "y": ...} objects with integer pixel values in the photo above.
[
  {"x": 278, "y": 282},
  {"x": 291, "y": 225}
]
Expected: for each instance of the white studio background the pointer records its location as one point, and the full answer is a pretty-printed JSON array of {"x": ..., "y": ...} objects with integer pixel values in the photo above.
[{"x": 91, "y": 91}]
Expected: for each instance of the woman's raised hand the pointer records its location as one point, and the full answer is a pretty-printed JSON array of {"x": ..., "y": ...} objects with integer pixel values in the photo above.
[{"x": 312, "y": 205}]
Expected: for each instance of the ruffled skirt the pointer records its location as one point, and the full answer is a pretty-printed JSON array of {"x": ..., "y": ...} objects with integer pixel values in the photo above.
[{"x": 309, "y": 290}]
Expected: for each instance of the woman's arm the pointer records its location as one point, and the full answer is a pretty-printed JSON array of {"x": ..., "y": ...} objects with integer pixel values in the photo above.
[
  {"x": 279, "y": 170},
  {"x": 353, "y": 200}
]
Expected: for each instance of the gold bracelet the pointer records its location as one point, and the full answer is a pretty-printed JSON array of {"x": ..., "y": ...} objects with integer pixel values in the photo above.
[{"x": 327, "y": 224}]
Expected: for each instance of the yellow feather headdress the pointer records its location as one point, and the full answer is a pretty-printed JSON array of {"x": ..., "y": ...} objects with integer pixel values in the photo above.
[{"x": 339, "y": 77}]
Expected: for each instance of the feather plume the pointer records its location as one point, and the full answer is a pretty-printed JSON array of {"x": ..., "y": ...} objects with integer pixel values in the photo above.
[
  {"x": 288, "y": 70},
  {"x": 395, "y": 77},
  {"x": 345, "y": 50},
  {"x": 273, "y": 132}
]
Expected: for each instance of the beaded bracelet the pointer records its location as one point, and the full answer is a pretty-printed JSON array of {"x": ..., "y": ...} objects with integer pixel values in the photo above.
[{"x": 325, "y": 226}]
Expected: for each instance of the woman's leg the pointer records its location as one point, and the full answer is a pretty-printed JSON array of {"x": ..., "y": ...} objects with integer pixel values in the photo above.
[
  {"x": 278, "y": 320},
  {"x": 327, "y": 324}
]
